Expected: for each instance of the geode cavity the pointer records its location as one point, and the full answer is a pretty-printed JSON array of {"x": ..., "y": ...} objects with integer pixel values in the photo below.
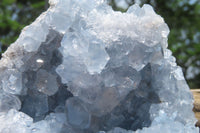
[{"x": 83, "y": 68}]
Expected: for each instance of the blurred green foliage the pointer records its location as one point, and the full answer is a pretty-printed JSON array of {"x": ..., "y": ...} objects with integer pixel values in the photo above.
[
  {"x": 14, "y": 15},
  {"x": 182, "y": 17}
]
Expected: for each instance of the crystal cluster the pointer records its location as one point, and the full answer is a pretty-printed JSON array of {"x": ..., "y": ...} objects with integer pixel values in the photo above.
[{"x": 83, "y": 68}]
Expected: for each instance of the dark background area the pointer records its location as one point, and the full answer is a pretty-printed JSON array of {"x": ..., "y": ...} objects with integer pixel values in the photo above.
[{"x": 182, "y": 17}]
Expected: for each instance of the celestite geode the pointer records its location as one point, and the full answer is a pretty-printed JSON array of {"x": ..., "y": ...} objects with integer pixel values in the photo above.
[{"x": 83, "y": 68}]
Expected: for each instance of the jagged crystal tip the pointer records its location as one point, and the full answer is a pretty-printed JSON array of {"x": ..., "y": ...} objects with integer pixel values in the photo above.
[{"x": 81, "y": 67}]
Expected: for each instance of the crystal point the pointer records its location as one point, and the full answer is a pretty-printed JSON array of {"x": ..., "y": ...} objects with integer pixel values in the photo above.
[{"x": 81, "y": 67}]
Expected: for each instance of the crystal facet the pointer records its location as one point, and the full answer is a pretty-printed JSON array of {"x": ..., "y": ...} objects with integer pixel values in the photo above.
[{"x": 83, "y": 68}]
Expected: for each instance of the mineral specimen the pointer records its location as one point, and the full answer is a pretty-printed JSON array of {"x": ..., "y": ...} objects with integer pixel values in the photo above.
[{"x": 83, "y": 68}]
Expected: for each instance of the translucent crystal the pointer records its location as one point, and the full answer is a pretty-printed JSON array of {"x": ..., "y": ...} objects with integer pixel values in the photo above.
[
  {"x": 35, "y": 104},
  {"x": 15, "y": 122},
  {"x": 77, "y": 114},
  {"x": 8, "y": 101},
  {"x": 46, "y": 83},
  {"x": 12, "y": 82},
  {"x": 81, "y": 67}
]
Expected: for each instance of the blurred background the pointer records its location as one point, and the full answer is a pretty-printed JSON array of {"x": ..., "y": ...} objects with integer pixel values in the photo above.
[{"x": 182, "y": 17}]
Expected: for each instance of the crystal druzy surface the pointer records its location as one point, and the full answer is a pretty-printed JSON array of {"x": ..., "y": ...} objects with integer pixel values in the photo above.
[{"x": 83, "y": 68}]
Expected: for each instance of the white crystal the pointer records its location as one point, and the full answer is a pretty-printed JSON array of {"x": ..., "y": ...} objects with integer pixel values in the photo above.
[
  {"x": 12, "y": 82},
  {"x": 82, "y": 67},
  {"x": 122, "y": 4}
]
